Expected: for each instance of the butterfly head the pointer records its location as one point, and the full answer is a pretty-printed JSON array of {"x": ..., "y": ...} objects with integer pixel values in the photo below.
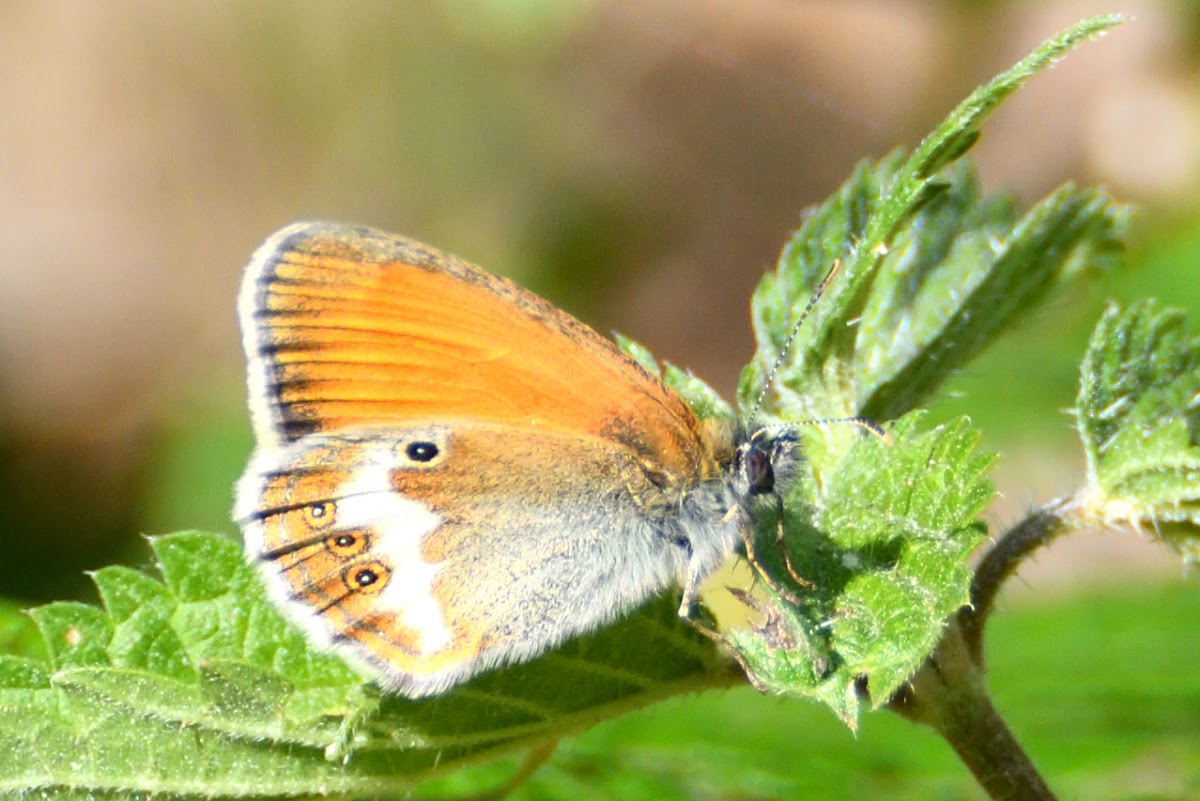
[{"x": 767, "y": 459}]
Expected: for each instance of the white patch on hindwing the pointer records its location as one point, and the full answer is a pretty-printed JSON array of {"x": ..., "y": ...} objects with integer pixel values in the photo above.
[
  {"x": 366, "y": 501},
  {"x": 399, "y": 525}
]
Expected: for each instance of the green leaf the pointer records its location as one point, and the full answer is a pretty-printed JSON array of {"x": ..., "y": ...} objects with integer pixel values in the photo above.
[
  {"x": 882, "y": 547},
  {"x": 930, "y": 271},
  {"x": 966, "y": 269},
  {"x": 18, "y": 634},
  {"x": 640, "y": 354},
  {"x": 954, "y": 284},
  {"x": 196, "y": 685},
  {"x": 1138, "y": 413},
  {"x": 75, "y": 635},
  {"x": 703, "y": 399}
]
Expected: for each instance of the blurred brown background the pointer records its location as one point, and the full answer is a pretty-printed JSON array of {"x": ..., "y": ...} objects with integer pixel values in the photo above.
[{"x": 639, "y": 163}]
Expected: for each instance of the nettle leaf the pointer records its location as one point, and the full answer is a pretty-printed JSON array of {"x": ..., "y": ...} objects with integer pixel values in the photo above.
[
  {"x": 882, "y": 554},
  {"x": 1138, "y": 413},
  {"x": 933, "y": 297},
  {"x": 930, "y": 270},
  {"x": 703, "y": 399},
  {"x": 18, "y": 634},
  {"x": 196, "y": 685},
  {"x": 949, "y": 287}
]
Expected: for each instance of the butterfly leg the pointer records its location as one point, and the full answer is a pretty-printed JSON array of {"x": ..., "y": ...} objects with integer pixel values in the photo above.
[
  {"x": 533, "y": 760},
  {"x": 691, "y": 594},
  {"x": 366, "y": 705},
  {"x": 724, "y": 642},
  {"x": 762, "y": 572},
  {"x": 787, "y": 557}
]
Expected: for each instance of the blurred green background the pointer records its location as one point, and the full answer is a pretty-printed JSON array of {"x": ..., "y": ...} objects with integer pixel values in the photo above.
[{"x": 638, "y": 163}]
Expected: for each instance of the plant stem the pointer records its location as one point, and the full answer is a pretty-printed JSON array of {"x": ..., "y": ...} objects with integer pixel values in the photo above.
[
  {"x": 1013, "y": 546},
  {"x": 948, "y": 694},
  {"x": 994, "y": 757}
]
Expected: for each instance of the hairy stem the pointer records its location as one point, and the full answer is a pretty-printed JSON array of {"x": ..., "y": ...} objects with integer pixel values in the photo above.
[
  {"x": 1012, "y": 547},
  {"x": 948, "y": 694}
]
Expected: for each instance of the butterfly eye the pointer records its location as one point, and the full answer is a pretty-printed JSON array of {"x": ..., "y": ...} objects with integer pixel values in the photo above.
[
  {"x": 759, "y": 472},
  {"x": 369, "y": 577},
  {"x": 320, "y": 515},
  {"x": 346, "y": 544},
  {"x": 422, "y": 451}
]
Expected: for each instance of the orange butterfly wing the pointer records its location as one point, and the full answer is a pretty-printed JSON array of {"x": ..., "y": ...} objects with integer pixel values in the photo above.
[{"x": 348, "y": 326}]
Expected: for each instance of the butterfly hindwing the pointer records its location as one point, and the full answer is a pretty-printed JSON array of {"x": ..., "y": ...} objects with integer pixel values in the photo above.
[{"x": 394, "y": 540}]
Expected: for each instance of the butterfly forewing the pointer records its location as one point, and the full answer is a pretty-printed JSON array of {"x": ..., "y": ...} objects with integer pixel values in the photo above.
[{"x": 351, "y": 326}]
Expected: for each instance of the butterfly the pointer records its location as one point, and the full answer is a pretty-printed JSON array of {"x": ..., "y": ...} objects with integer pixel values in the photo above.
[{"x": 451, "y": 474}]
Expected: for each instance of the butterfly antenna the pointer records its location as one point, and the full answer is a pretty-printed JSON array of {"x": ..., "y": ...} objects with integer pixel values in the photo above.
[
  {"x": 861, "y": 422},
  {"x": 791, "y": 337}
]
